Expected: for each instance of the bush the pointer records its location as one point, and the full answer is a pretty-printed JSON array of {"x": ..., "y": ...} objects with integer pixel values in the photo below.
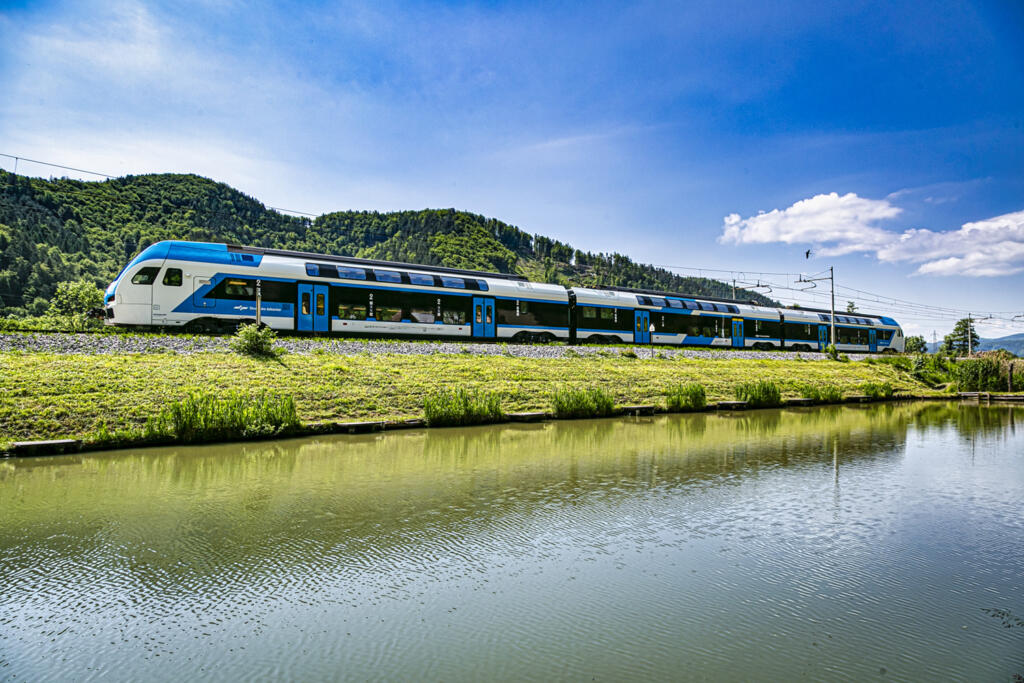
[
  {"x": 823, "y": 394},
  {"x": 832, "y": 351},
  {"x": 684, "y": 397},
  {"x": 75, "y": 298},
  {"x": 979, "y": 374},
  {"x": 251, "y": 340},
  {"x": 760, "y": 394},
  {"x": 628, "y": 353},
  {"x": 877, "y": 390},
  {"x": 452, "y": 407},
  {"x": 205, "y": 417},
  {"x": 589, "y": 402}
]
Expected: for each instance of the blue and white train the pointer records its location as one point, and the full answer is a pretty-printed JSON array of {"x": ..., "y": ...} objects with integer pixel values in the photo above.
[{"x": 205, "y": 287}]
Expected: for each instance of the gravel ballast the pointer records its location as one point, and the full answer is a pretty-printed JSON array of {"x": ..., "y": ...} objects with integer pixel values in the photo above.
[{"x": 64, "y": 343}]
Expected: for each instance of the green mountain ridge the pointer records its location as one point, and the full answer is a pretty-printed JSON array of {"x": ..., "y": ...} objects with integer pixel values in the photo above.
[{"x": 57, "y": 230}]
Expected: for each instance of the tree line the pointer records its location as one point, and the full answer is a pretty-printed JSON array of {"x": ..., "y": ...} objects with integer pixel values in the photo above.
[{"x": 61, "y": 230}]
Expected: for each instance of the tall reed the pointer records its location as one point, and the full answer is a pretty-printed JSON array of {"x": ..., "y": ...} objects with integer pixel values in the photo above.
[
  {"x": 685, "y": 397},
  {"x": 450, "y": 407},
  {"x": 760, "y": 394},
  {"x": 588, "y": 402}
]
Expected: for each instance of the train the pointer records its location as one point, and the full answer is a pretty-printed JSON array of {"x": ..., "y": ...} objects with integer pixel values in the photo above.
[{"x": 209, "y": 287}]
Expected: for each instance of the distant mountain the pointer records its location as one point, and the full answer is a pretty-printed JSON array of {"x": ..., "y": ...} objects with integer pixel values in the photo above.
[
  {"x": 1013, "y": 343},
  {"x": 56, "y": 230}
]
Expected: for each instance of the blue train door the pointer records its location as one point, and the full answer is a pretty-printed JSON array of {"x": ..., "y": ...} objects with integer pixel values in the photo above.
[
  {"x": 312, "y": 309},
  {"x": 873, "y": 341},
  {"x": 483, "y": 317},
  {"x": 822, "y": 337},
  {"x": 641, "y": 327},
  {"x": 737, "y": 334}
]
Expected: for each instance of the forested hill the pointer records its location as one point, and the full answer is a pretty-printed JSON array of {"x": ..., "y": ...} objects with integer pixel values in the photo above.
[{"x": 57, "y": 230}]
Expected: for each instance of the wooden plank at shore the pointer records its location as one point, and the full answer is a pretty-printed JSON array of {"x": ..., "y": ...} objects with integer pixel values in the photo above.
[
  {"x": 55, "y": 447},
  {"x": 527, "y": 417},
  {"x": 731, "y": 405},
  {"x": 799, "y": 401},
  {"x": 637, "y": 410}
]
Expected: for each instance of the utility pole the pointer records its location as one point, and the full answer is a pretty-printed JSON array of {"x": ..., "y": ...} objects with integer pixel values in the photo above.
[
  {"x": 970, "y": 344},
  {"x": 734, "y": 288},
  {"x": 832, "y": 279}
]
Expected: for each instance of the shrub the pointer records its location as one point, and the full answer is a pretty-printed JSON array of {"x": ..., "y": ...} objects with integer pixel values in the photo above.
[
  {"x": 251, "y": 340},
  {"x": 589, "y": 402},
  {"x": 450, "y": 407},
  {"x": 877, "y": 390},
  {"x": 979, "y": 374},
  {"x": 628, "y": 353},
  {"x": 832, "y": 351},
  {"x": 205, "y": 417},
  {"x": 830, "y": 394},
  {"x": 75, "y": 298},
  {"x": 759, "y": 394},
  {"x": 683, "y": 397}
]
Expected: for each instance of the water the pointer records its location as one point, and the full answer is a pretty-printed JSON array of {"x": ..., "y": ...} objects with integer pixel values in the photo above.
[{"x": 866, "y": 543}]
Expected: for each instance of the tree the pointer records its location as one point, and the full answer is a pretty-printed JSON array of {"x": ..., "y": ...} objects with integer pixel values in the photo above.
[
  {"x": 956, "y": 342},
  {"x": 851, "y": 307},
  {"x": 75, "y": 298},
  {"x": 916, "y": 345}
]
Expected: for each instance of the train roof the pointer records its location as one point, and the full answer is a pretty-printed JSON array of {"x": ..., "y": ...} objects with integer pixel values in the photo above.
[
  {"x": 677, "y": 295},
  {"x": 370, "y": 262}
]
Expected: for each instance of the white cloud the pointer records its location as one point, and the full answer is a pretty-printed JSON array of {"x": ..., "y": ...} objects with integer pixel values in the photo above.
[{"x": 847, "y": 224}]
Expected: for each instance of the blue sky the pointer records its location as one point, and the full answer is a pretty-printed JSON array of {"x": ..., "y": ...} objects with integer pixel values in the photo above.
[{"x": 710, "y": 135}]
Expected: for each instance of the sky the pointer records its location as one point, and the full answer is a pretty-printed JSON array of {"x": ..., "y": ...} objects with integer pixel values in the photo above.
[{"x": 711, "y": 137}]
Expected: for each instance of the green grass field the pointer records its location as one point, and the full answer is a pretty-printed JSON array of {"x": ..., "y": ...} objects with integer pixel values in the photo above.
[{"x": 44, "y": 396}]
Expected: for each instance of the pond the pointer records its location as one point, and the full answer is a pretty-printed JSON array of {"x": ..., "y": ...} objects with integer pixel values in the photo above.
[{"x": 881, "y": 542}]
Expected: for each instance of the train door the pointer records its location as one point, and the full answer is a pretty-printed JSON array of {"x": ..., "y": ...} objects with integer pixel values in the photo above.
[
  {"x": 200, "y": 285},
  {"x": 873, "y": 341},
  {"x": 822, "y": 337},
  {"x": 641, "y": 327},
  {"x": 483, "y": 317},
  {"x": 311, "y": 309},
  {"x": 737, "y": 334}
]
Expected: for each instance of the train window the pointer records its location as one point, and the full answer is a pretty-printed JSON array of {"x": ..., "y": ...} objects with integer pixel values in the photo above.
[
  {"x": 420, "y": 279},
  {"x": 589, "y": 312},
  {"x": 657, "y": 301},
  {"x": 675, "y": 303},
  {"x": 692, "y": 305},
  {"x": 305, "y": 303},
  {"x": 454, "y": 282},
  {"x": 387, "y": 276},
  {"x": 481, "y": 285},
  {"x": 733, "y": 309},
  {"x": 172, "y": 278},
  {"x": 721, "y": 308},
  {"x": 524, "y": 308},
  {"x": 320, "y": 305},
  {"x": 312, "y": 270},
  {"x": 451, "y": 316},
  {"x": 239, "y": 288},
  {"x": 389, "y": 313},
  {"x": 479, "y": 313},
  {"x": 145, "y": 276},
  {"x": 352, "y": 311},
  {"x": 347, "y": 273},
  {"x": 420, "y": 314},
  {"x": 705, "y": 306},
  {"x": 884, "y": 335},
  {"x": 607, "y": 313}
]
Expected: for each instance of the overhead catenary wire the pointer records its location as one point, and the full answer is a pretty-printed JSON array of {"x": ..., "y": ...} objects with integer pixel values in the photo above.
[{"x": 747, "y": 279}]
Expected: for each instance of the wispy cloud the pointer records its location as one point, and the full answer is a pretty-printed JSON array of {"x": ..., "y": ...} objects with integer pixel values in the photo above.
[{"x": 845, "y": 224}]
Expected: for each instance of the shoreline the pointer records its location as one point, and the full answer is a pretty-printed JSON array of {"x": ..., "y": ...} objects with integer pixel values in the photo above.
[{"x": 53, "y": 396}]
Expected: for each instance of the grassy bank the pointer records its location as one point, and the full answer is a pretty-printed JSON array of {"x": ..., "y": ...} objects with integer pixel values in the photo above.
[{"x": 46, "y": 395}]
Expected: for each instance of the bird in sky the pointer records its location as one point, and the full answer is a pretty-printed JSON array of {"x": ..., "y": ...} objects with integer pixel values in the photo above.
[{"x": 807, "y": 254}]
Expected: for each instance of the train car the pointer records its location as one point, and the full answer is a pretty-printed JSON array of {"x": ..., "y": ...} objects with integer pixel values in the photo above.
[
  {"x": 206, "y": 287},
  {"x": 213, "y": 287}
]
